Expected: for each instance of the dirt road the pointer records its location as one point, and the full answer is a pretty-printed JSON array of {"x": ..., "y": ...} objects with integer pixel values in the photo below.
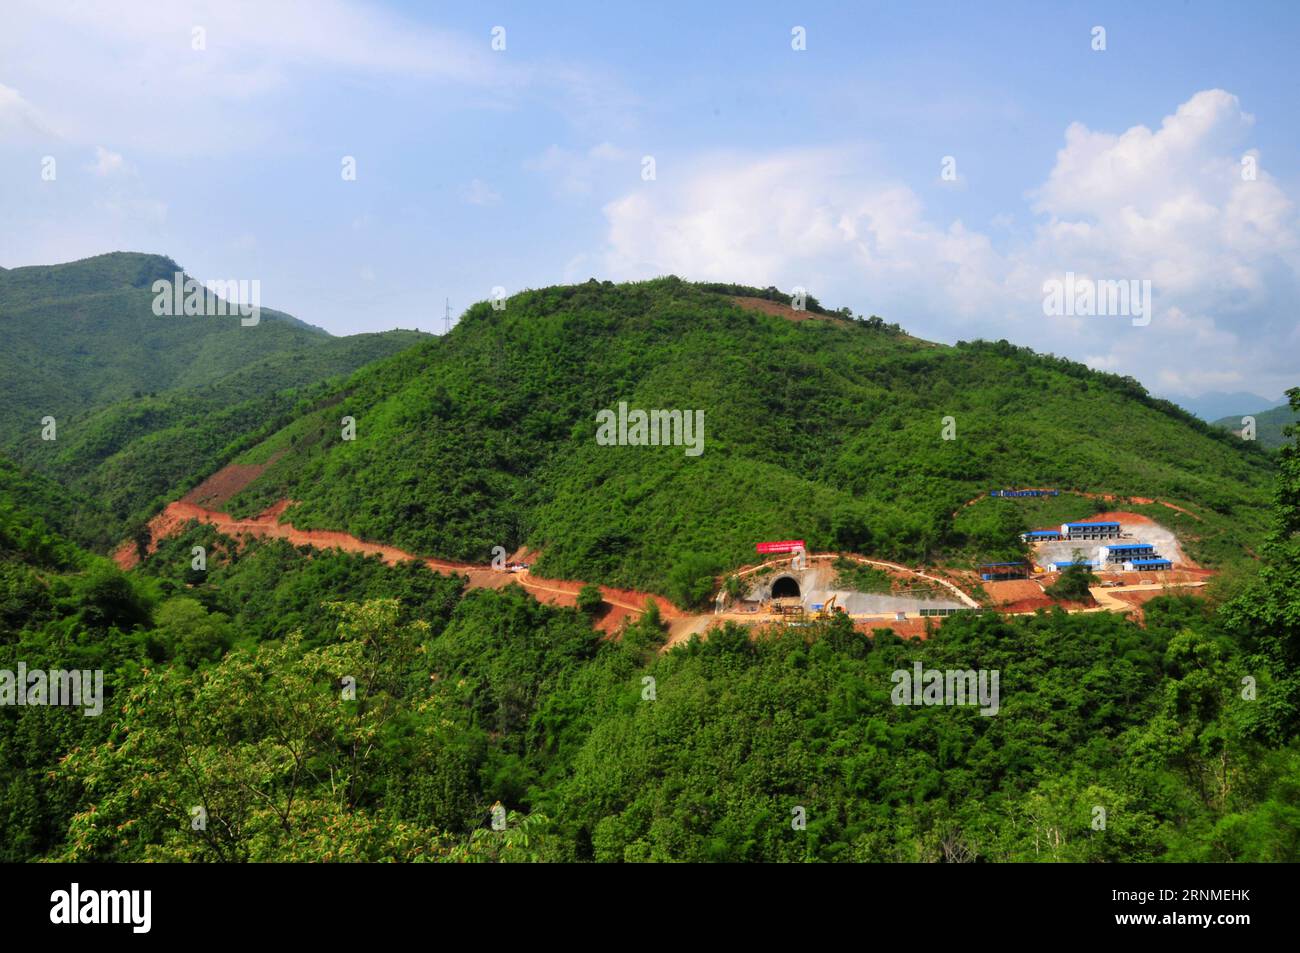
[
  {"x": 1108, "y": 497},
  {"x": 622, "y": 603}
]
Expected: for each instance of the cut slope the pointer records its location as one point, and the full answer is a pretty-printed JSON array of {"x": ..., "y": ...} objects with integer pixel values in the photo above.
[{"x": 267, "y": 525}]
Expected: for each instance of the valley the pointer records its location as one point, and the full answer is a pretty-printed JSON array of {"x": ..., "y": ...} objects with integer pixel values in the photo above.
[{"x": 656, "y": 683}]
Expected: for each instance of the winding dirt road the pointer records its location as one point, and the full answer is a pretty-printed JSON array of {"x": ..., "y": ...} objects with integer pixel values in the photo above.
[
  {"x": 622, "y": 603},
  {"x": 1108, "y": 497}
]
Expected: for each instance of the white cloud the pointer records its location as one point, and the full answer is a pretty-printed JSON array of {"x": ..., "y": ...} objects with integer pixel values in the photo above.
[
  {"x": 806, "y": 217},
  {"x": 1223, "y": 254},
  {"x": 107, "y": 163},
  {"x": 128, "y": 71},
  {"x": 478, "y": 192}
]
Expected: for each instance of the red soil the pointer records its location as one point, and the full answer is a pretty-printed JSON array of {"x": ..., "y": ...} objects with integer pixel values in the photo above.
[
  {"x": 226, "y": 482},
  {"x": 1040, "y": 602},
  {"x": 1120, "y": 516},
  {"x": 1008, "y": 591},
  {"x": 1109, "y": 497},
  {"x": 622, "y": 603},
  {"x": 783, "y": 310},
  {"x": 908, "y": 629}
]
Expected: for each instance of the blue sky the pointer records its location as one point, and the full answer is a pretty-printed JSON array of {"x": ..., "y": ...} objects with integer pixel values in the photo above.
[{"x": 523, "y": 167}]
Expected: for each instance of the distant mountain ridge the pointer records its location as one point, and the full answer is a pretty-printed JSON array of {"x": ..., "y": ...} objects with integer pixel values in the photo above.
[
  {"x": 1215, "y": 405},
  {"x": 1268, "y": 425},
  {"x": 83, "y": 335},
  {"x": 140, "y": 400}
]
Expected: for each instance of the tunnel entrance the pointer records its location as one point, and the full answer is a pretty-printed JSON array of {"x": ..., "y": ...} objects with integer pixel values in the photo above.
[{"x": 785, "y": 587}]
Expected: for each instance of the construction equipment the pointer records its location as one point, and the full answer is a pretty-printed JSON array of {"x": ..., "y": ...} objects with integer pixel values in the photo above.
[
  {"x": 829, "y": 608},
  {"x": 781, "y": 610}
]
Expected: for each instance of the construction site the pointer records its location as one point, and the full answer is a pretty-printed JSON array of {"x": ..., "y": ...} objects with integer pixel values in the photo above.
[
  {"x": 795, "y": 587},
  {"x": 1133, "y": 559}
]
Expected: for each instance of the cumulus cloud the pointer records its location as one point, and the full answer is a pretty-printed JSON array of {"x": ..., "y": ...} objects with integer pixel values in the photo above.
[
  {"x": 107, "y": 163},
  {"x": 809, "y": 217},
  {"x": 1222, "y": 251}
]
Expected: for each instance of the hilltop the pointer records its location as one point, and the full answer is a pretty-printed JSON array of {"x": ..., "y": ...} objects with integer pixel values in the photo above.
[
  {"x": 144, "y": 402},
  {"x": 83, "y": 335},
  {"x": 829, "y": 429}
]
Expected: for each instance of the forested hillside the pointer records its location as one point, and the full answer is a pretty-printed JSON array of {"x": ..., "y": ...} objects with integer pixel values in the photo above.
[
  {"x": 144, "y": 404},
  {"x": 1269, "y": 425},
  {"x": 228, "y": 691},
  {"x": 320, "y": 705},
  {"x": 84, "y": 335},
  {"x": 827, "y": 430}
]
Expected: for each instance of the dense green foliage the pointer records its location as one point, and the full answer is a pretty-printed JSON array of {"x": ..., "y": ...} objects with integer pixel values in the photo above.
[
  {"x": 83, "y": 335},
  {"x": 147, "y": 406},
  {"x": 291, "y": 704},
  {"x": 830, "y": 431},
  {"x": 229, "y": 694},
  {"x": 1073, "y": 585},
  {"x": 590, "y": 599},
  {"x": 610, "y": 751},
  {"x": 851, "y": 574}
]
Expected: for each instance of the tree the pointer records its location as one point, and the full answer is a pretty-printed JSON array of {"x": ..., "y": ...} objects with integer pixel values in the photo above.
[
  {"x": 733, "y": 587},
  {"x": 590, "y": 599},
  {"x": 189, "y": 634},
  {"x": 267, "y": 755},
  {"x": 690, "y": 581},
  {"x": 1266, "y": 617},
  {"x": 1073, "y": 584}
]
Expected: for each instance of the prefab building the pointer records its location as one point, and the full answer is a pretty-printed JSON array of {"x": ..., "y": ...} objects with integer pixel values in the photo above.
[
  {"x": 1040, "y": 536},
  {"x": 993, "y": 571},
  {"x": 1105, "y": 530},
  {"x": 1061, "y": 567},
  {"x": 1147, "y": 565},
  {"x": 1121, "y": 552}
]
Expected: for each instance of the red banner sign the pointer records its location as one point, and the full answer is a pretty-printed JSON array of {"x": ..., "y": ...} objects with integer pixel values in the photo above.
[{"x": 786, "y": 546}]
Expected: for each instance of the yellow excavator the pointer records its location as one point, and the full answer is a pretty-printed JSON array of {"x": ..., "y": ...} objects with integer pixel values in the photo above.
[{"x": 828, "y": 608}]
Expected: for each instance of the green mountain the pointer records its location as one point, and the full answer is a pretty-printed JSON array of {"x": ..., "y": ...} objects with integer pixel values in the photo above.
[
  {"x": 224, "y": 680},
  {"x": 829, "y": 429},
  {"x": 83, "y": 335},
  {"x": 144, "y": 404},
  {"x": 1268, "y": 425}
]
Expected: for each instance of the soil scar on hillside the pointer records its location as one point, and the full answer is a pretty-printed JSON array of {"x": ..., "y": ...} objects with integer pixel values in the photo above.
[
  {"x": 620, "y": 603},
  {"x": 1108, "y": 497},
  {"x": 784, "y": 310}
]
